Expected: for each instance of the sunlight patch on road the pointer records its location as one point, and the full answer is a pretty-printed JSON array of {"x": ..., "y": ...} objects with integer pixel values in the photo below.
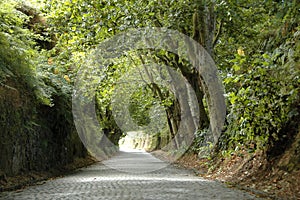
[{"x": 130, "y": 150}]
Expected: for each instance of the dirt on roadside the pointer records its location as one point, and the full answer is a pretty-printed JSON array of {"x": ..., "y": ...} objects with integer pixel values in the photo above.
[{"x": 251, "y": 173}]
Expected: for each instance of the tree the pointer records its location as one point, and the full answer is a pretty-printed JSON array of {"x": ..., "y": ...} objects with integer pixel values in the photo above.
[{"x": 89, "y": 23}]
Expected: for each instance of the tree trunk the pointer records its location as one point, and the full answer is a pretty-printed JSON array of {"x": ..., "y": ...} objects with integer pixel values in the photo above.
[{"x": 204, "y": 23}]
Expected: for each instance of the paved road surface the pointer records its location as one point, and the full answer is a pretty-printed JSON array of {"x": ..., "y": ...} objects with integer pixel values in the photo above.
[{"x": 129, "y": 181}]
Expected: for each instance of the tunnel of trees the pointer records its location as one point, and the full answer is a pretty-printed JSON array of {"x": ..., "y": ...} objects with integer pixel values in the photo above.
[{"x": 254, "y": 44}]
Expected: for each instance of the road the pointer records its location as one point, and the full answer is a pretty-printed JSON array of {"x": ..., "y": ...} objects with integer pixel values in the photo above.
[{"x": 133, "y": 175}]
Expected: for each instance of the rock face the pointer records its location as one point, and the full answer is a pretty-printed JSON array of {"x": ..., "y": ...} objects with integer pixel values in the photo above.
[{"x": 35, "y": 137}]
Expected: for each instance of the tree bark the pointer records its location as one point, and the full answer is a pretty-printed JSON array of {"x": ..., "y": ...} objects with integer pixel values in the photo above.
[{"x": 204, "y": 23}]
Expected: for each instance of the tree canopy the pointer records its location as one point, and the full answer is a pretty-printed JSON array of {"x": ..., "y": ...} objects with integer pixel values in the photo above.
[{"x": 255, "y": 46}]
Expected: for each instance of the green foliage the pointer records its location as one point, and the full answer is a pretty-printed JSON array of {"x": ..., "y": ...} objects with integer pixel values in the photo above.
[
  {"x": 20, "y": 60},
  {"x": 263, "y": 88},
  {"x": 125, "y": 80},
  {"x": 15, "y": 44},
  {"x": 140, "y": 104},
  {"x": 261, "y": 79},
  {"x": 199, "y": 141},
  {"x": 80, "y": 25}
]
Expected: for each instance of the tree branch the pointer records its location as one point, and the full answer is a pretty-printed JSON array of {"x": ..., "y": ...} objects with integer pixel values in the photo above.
[{"x": 218, "y": 33}]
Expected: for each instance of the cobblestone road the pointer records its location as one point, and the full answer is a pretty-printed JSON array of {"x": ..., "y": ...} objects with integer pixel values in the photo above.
[{"x": 128, "y": 180}]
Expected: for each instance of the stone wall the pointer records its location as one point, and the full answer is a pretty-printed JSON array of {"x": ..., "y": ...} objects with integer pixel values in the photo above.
[{"x": 35, "y": 137}]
